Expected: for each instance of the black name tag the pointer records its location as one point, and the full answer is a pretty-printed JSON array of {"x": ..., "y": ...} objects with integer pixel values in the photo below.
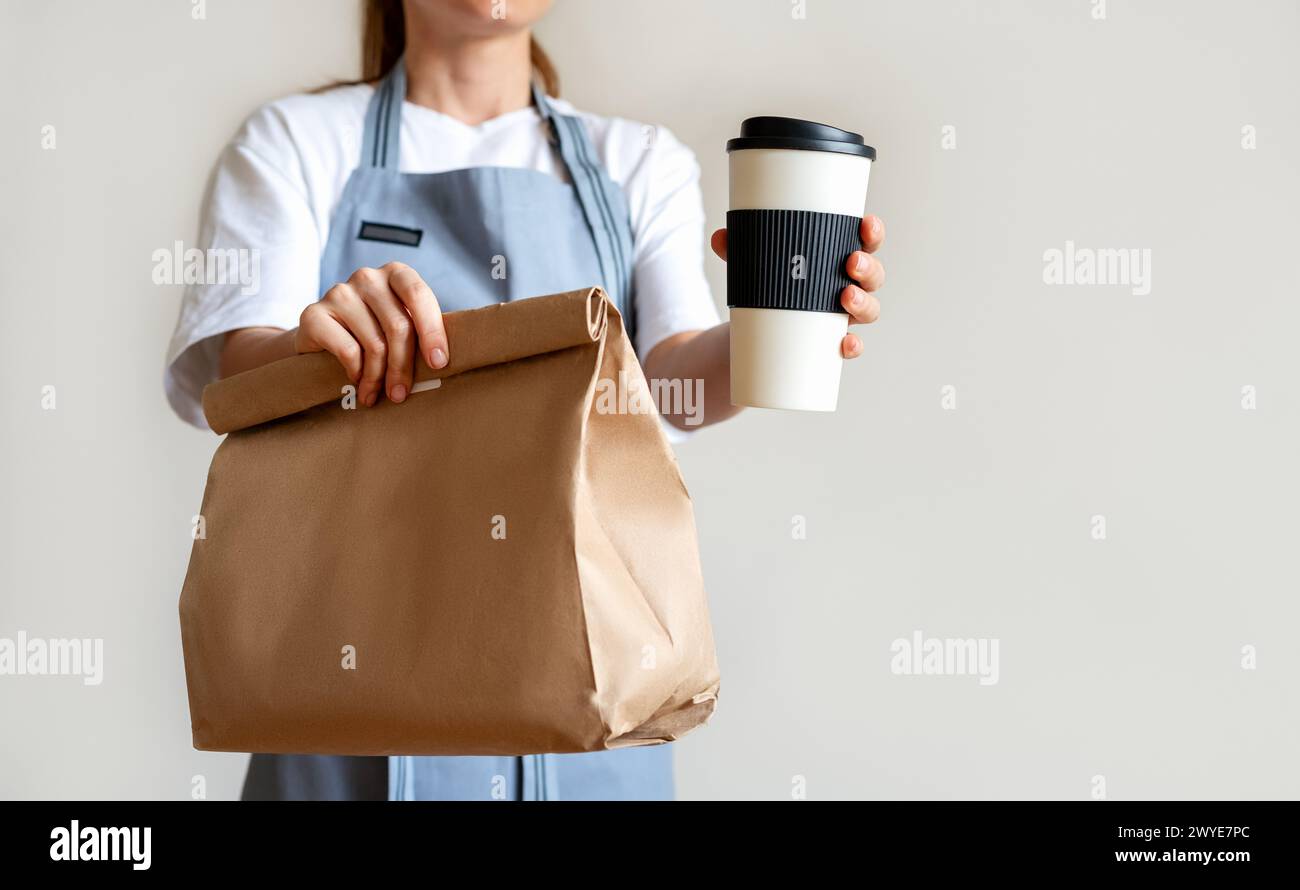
[{"x": 390, "y": 234}]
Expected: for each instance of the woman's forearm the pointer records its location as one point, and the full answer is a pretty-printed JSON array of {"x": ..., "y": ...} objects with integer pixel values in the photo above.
[
  {"x": 698, "y": 362},
  {"x": 249, "y": 348}
]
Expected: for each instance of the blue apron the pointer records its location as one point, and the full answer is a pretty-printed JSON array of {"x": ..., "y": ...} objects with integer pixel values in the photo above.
[{"x": 477, "y": 236}]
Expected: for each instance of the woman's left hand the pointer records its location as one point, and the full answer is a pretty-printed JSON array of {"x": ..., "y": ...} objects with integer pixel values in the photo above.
[{"x": 858, "y": 300}]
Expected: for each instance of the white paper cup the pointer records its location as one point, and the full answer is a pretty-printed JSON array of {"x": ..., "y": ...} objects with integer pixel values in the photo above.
[{"x": 797, "y": 194}]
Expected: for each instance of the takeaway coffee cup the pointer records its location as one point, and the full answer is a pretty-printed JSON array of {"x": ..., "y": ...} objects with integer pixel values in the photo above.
[{"x": 798, "y": 191}]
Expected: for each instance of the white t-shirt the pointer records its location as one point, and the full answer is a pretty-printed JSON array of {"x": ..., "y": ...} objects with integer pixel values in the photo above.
[{"x": 277, "y": 183}]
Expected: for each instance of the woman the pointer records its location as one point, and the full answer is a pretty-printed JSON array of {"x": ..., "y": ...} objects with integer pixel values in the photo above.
[{"x": 449, "y": 179}]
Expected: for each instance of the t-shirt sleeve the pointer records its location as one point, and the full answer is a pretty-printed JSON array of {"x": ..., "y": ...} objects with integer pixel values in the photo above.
[
  {"x": 672, "y": 294},
  {"x": 256, "y": 213}
]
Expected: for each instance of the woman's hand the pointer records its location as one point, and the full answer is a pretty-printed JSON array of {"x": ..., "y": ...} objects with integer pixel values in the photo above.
[
  {"x": 372, "y": 324},
  {"x": 858, "y": 301}
]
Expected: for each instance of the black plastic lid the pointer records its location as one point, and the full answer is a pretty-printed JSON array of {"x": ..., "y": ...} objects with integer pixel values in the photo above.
[{"x": 790, "y": 132}]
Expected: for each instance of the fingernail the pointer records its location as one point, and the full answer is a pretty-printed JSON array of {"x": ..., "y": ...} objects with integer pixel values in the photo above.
[
  {"x": 398, "y": 393},
  {"x": 856, "y": 300},
  {"x": 437, "y": 358},
  {"x": 371, "y": 399},
  {"x": 864, "y": 263}
]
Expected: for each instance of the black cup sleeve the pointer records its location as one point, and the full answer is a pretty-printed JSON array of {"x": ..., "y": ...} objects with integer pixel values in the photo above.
[{"x": 789, "y": 259}]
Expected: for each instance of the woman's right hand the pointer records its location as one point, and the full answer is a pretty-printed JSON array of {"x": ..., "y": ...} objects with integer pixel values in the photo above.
[{"x": 373, "y": 324}]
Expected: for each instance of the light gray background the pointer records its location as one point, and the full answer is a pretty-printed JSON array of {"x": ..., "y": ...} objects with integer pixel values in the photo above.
[{"x": 1119, "y": 658}]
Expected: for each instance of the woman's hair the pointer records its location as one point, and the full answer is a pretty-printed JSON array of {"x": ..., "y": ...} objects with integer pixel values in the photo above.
[{"x": 384, "y": 39}]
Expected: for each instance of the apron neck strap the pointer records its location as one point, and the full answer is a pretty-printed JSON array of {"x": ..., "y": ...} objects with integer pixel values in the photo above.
[
  {"x": 542, "y": 104},
  {"x": 596, "y": 192},
  {"x": 383, "y": 129}
]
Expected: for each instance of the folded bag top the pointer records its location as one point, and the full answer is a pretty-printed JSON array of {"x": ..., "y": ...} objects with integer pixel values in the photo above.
[
  {"x": 495, "y": 566},
  {"x": 503, "y": 332}
]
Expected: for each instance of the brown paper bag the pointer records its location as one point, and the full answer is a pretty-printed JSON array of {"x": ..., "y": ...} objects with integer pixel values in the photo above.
[{"x": 492, "y": 567}]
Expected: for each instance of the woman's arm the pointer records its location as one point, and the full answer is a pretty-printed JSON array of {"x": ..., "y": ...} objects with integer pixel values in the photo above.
[
  {"x": 249, "y": 348},
  {"x": 706, "y": 355},
  {"x": 691, "y": 356}
]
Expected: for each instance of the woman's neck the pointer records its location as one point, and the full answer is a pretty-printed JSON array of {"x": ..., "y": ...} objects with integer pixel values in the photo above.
[{"x": 471, "y": 80}]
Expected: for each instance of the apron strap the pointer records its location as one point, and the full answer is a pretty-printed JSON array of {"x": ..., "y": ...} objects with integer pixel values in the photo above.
[
  {"x": 383, "y": 129},
  {"x": 611, "y": 236}
]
